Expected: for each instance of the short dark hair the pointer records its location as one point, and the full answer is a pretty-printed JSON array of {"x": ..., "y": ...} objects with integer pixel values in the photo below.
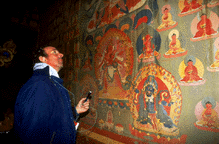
[
  {"x": 38, "y": 53},
  {"x": 208, "y": 103}
]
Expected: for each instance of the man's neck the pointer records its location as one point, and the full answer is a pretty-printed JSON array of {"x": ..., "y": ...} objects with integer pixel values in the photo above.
[{"x": 52, "y": 71}]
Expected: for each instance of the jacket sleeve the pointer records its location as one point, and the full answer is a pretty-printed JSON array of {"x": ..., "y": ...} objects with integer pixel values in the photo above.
[
  {"x": 35, "y": 106},
  {"x": 75, "y": 114}
]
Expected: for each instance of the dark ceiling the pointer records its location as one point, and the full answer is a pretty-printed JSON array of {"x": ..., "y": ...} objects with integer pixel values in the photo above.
[{"x": 19, "y": 22}]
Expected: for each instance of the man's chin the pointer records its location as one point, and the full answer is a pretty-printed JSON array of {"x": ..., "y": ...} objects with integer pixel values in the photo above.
[{"x": 61, "y": 66}]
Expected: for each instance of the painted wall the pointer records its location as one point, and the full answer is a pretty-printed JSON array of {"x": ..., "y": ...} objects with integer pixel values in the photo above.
[{"x": 152, "y": 67}]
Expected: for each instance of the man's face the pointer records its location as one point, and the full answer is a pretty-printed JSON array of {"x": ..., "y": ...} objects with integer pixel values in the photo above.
[{"x": 54, "y": 58}]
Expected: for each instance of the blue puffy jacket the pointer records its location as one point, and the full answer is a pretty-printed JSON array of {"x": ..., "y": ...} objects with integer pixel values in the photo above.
[{"x": 43, "y": 112}]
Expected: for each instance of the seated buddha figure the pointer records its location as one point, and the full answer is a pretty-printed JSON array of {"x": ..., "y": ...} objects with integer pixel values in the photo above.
[
  {"x": 190, "y": 6},
  {"x": 166, "y": 19},
  {"x": 191, "y": 73},
  {"x": 175, "y": 46},
  {"x": 204, "y": 27},
  {"x": 216, "y": 63},
  {"x": 209, "y": 117}
]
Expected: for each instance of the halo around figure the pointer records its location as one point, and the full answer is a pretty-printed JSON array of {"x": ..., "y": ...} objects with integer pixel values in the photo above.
[
  {"x": 209, "y": 99},
  {"x": 174, "y": 31}
]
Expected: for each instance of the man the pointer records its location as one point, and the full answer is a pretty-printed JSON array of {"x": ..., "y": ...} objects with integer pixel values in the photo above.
[{"x": 43, "y": 112}]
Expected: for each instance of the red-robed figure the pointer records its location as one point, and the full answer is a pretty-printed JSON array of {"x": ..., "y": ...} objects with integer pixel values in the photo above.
[
  {"x": 191, "y": 73},
  {"x": 204, "y": 27},
  {"x": 148, "y": 48},
  {"x": 190, "y": 6}
]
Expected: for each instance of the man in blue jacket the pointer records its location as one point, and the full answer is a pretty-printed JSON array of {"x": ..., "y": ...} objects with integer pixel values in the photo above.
[{"x": 43, "y": 112}]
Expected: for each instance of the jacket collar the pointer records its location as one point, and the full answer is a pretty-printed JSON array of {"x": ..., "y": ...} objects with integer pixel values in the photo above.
[
  {"x": 51, "y": 70},
  {"x": 45, "y": 73}
]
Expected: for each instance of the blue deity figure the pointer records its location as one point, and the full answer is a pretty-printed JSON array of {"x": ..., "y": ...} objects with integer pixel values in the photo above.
[{"x": 150, "y": 110}]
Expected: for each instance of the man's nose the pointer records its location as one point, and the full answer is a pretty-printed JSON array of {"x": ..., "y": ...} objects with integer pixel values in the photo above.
[{"x": 61, "y": 55}]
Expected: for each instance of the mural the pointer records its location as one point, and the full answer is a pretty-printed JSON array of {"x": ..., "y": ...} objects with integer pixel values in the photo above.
[
  {"x": 87, "y": 83},
  {"x": 106, "y": 12},
  {"x": 213, "y": 3},
  {"x": 141, "y": 58},
  {"x": 144, "y": 16},
  {"x": 156, "y": 101},
  {"x": 126, "y": 25},
  {"x": 76, "y": 67},
  {"x": 204, "y": 27},
  {"x": 113, "y": 64},
  {"x": 215, "y": 66},
  {"x": 188, "y": 7},
  {"x": 87, "y": 61},
  {"x": 166, "y": 21},
  {"x": 7, "y": 52},
  {"x": 175, "y": 49},
  {"x": 109, "y": 120},
  {"x": 206, "y": 112},
  {"x": 148, "y": 45},
  {"x": 191, "y": 71}
]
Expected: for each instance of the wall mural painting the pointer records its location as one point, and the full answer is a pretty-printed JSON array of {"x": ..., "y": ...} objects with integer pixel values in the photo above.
[
  {"x": 148, "y": 42},
  {"x": 109, "y": 124},
  {"x": 215, "y": 66},
  {"x": 153, "y": 6},
  {"x": 144, "y": 16},
  {"x": 109, "y": 27},
  {"x": 7, "y": 52},
  {"x": 207, "y": 113},
  {"x": 191, "y": 71},
  {"x": 105, "y": 12},
  {"x": 148, "y": 45},
  {"x": 213, "y": 3},
  {"x": 156, "y": 102},
  {"x": 76, "y": 46},
  {"x": 76, "y": 59},
  {"x": 175, "y": 49},
  {"x": 204, "y": 26},
  {"x": 87, "y": 56},
  {"x": 188, "y": 7},
  {"x": 70, "y": 75},
  {"x": 126, "y": 25},
  {"x": 87, "y": 83},
  {"x": 77, "y": 64},
  {"x": 113, "y": 64},
  {"x": 86, "y": 62},
  {"x": 167, "y": 21},
  {"x": 89, "y": 42},
  {"x": 97, "y": 37},
  {"x": 115, "y": 55},
  {"x": 119, "y": 128}
]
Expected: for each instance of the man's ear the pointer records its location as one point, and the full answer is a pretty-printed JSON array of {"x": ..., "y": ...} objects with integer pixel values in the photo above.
[{"x": 42, "y": 59}]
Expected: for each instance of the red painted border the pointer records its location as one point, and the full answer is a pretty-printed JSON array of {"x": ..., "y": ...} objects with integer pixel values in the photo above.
[{"x": 111, "y": 135}]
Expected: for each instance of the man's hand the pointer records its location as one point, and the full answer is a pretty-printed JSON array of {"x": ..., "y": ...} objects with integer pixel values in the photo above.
[{"x": 82, "y": 107}]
